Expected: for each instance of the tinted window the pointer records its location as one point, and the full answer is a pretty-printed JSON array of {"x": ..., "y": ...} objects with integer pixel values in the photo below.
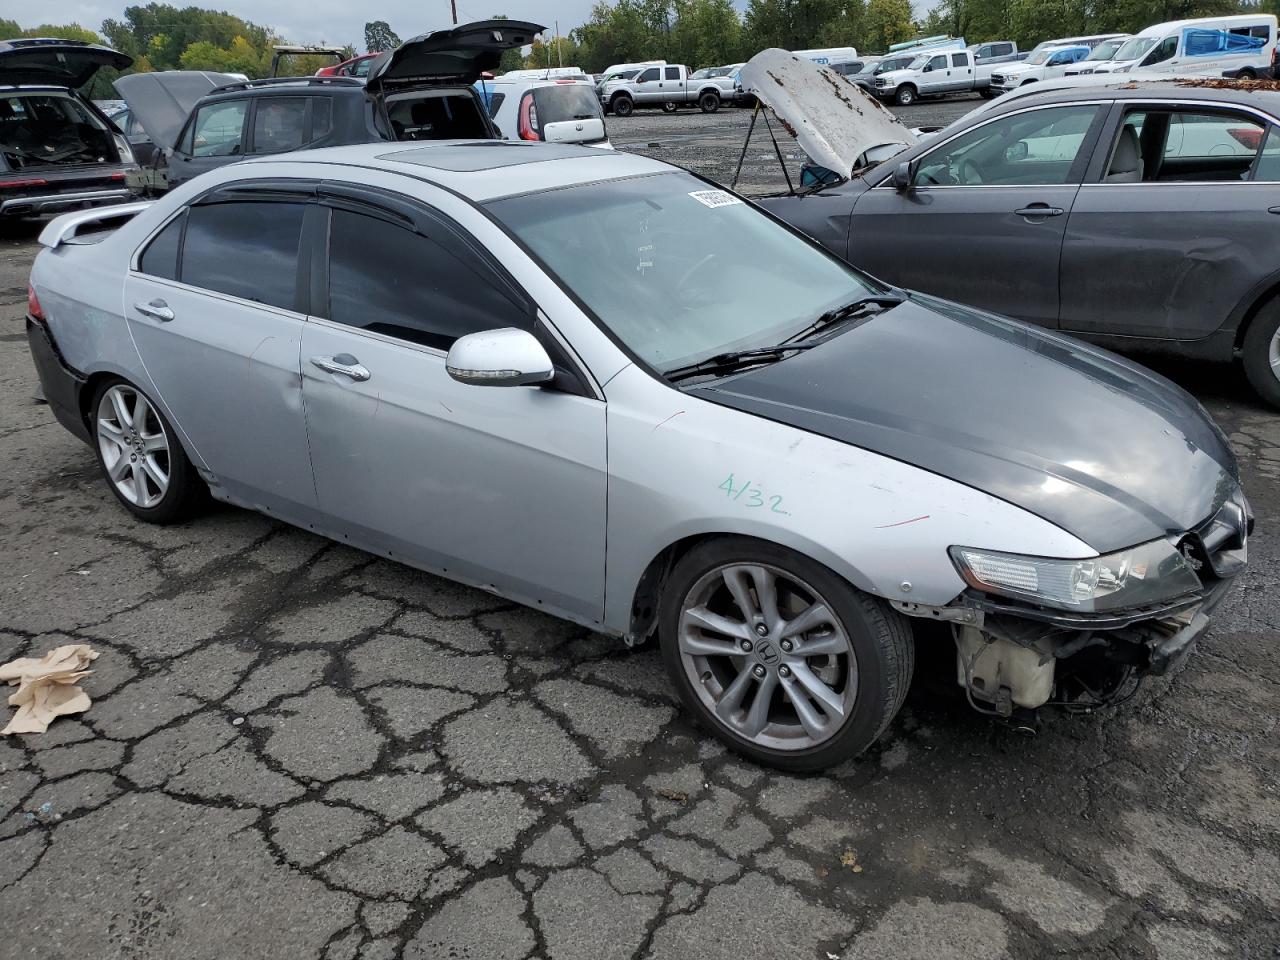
[
  {"x": 495, "y": 102},
  {"x": 391, "y": 280},
  {"x": 279, "y": 124},
  {"x": 958, "y": 60},
  {"x": 1038, "y": 147},
  {"x": 673, "y": 73},
  {"x": 1001, "y": 50},
  {"x": 441, "y": 117},
  {"x": 650, "y": 74},
  {"x": 361, "y": 67},
  {"x": 216, "y": 131},
  {"x": 565, "y": 102},
  {"x": 1168, "y": 47},
  {"x": 321, "y": 117},
  {"x": 246, "y": 250},
  {"x": 938, "y": 63},
  {"x": 160, "y": 259}
]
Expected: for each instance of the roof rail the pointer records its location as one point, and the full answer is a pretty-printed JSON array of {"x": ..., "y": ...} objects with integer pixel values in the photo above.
[{"x": 276, "y": 81}]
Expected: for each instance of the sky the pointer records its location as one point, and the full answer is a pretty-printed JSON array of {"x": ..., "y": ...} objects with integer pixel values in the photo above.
[{"x": 330, "y": 21}]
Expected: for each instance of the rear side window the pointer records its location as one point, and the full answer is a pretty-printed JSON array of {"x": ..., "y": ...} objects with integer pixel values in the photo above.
[
  {"x": 218, "y": 129},
  {"x": 244, "y": 249},
  {"x": 394, "y": 281},
  {"x": 495, "y": 103},
  {"x": 160, "y": 259},
  {"x": 1267, "y": 166},
  {"x": 673, "y": 73},
  {"x": 279, "y": 124},
  {"x": 958, "y": 60}
]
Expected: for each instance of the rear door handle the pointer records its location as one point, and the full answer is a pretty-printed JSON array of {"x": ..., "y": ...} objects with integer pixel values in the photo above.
[
  {"x": 1040, "y": 210},
  {"x": 1273, "y": 210},
  {"x": 343, "y": 364},
  {"x": 156, "y": 310}
]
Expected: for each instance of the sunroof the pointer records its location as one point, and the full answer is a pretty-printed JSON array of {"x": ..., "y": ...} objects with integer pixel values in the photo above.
[{"x": 490, "y": 155}]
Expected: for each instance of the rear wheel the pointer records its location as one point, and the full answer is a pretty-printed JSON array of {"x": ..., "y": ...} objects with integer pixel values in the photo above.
[
  {"x": 709, "y": 102},
  {"x": 1246, "y": 74},
  {"x": 140, "y": 455},
  {"x": 905, "y": 96},
  {"x": 623, "y": 106},
  {"x": 783, "y": 660},
  {"x": 986, "y": 93},
  {"x": 1262, "y": 352}
]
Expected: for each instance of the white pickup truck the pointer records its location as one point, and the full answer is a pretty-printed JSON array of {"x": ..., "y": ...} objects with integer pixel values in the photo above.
[
  {"x": 930, "y": 74},
  {"x": 668, "y": 87}
]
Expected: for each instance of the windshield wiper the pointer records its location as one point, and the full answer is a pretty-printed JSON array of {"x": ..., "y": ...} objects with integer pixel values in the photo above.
[
  {"x": 735, "y": 360},
  {"x": 849, "y": 311}
]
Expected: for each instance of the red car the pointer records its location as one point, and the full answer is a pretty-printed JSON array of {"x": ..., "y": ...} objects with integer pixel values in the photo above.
[{"x": 355, "y": 67}]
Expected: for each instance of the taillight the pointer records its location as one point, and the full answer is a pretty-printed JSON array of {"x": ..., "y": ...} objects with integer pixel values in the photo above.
[
  {"x": 1248, "y": 137},
  {"x": 33, "y": 304},
  {"x": 25, "y": 182},
  {"x": 528, "y": 122}
]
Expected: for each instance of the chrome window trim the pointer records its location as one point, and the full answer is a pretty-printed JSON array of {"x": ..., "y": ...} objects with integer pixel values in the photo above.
[
  {"x": 135, "y": 259},
  {"x": 380, "y": 337}
]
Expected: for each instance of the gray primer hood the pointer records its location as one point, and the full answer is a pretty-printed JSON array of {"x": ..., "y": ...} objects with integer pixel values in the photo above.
[
  {"x": 163, "y": 101},
  {"x": 1101, "y": 447}
]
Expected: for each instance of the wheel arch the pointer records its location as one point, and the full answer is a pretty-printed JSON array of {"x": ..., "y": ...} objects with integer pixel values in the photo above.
[
  {"x": 93, "y": 382},
  {"x": 1250, "y": 306}
]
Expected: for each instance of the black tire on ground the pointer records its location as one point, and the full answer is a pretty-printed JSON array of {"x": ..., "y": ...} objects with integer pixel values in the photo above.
[
  {"x": 881, "y": 639},
  {"x": 709, "y": 102},
  {"x": 623, "y": 106},
  {"x": 1246, "y": 74},
  {"x": 1259, "y": 343},
  {"x": 905, "y": 95},
  {"x": 669, "y": 107},
  {"x": 987, "y": 93},
  {"x": 186, "y": 493}
]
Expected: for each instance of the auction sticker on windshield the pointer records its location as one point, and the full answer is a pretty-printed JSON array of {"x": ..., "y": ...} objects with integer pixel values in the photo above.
[{"x": 714, "y": 198}]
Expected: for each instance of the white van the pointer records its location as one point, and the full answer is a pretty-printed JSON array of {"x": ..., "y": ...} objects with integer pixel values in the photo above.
[
  {"x": 832, "y": 57},
  {"x": 1209, "y": 46}
]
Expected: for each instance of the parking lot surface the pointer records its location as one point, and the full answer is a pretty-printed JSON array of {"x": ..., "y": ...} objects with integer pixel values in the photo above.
[{"x": 296, "y": 750}]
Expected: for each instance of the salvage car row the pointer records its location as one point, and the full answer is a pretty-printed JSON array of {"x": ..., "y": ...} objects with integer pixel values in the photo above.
[{"x": 538, "y": 368}]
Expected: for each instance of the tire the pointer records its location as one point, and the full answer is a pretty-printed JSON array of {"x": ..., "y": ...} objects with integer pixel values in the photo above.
[
  {"x": 669, "y": 107},
  {"x": 862, "y": 664},
  {"x": 905, "y": 95},
  {"x": 1262, "y": 352},
  {"x": 1246, "y": 74},
  {"x": 623, "y": 106},
  {"x": 157, "y": 483},
  {"x": 709, "y": 102},
  {"x": 987, "y": 94}
]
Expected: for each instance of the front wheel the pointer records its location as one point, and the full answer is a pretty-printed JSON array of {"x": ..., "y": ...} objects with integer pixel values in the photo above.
[
  {"x": 1246, "y": 74},
  {"x": 141, "y": 458},
  {"x": 782, "y": 659},
  {"x": 623, "y": 106},
  {"x": 905, "y": 96},
  {"x": 1262, "y": 353},
  {"x": 987, "y": 93},
  {"x": 709, "y": 102}
]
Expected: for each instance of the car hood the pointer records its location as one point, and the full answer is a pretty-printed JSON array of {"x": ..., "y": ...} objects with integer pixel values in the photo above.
[
  {"x": 163, "y": 101},
  {"x": 1098, "y": 446},
  {"x": 454, "y": 57},
  {"x": 1013, "y": 69},
  {"x": 66, "y": 63},
  {"x": 833, "y": 120}
]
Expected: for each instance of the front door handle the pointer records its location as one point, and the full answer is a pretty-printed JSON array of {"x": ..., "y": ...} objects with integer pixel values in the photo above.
[
  {"x": 344, "y": 364},
  {"x": 156, "y": 310},
  {"x": 1040, "y": 210}
]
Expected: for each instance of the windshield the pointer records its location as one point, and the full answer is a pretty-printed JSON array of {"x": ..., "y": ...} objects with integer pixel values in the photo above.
[
  {"x": 1041, "y": 57},
  {"x": 1133, "y": 49},
  {"x": 897, "y": 63},
  {"x": 1105, "y": 50},
  {"x": 677, "y": 270}
]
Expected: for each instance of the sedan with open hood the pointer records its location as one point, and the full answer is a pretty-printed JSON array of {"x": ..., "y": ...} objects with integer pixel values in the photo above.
[{"x": 538, "y": 369}]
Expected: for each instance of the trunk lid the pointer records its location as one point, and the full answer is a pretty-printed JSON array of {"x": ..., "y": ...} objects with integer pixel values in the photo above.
[
  {"x": 63, "y": 63},
  {"x": 454, "y": 57},
  {"x": 163, "y": 101}
]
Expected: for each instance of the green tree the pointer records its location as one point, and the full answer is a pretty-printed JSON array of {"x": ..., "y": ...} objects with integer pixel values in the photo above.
[
  {"x": 706, "y": 33},
  {"x": 163, "y": 32},
  {"x": 379, "y": 36},
  {"x": 888, "y": 22},
  {"x": 512, "y": 59}
]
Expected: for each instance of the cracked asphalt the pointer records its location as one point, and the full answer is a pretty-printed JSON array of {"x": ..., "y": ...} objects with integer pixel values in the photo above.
[{"x": 299, "y": 751}]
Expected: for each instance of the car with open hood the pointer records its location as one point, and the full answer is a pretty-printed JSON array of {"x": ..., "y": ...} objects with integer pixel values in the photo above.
[
  {"x": 58, "y": 151},
  {"x": 539, "y": 369},
  {"x": 1027, "y": 205},
  {"x": 422, "y": 90}
]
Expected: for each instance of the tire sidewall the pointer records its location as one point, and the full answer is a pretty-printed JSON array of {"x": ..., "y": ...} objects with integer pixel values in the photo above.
[
  {"x": 1256, "y": 348},
  {"x": 868, "y": 718},
  {"x": 623, "y": 106},
  {"x": 709, "y": 103},
  {"x": 904, "y": 96}
]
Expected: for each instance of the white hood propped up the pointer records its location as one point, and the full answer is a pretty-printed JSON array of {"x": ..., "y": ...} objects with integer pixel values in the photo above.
[{"x": 833, "y": 120}]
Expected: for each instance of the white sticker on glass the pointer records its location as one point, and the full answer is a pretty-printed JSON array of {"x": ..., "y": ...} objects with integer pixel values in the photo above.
[{"x": 714, "y": 198}]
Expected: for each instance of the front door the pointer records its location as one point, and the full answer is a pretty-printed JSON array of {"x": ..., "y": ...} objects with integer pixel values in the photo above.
[
  {"x": 501, "y": 486},
  {"x": 213, "y": 137},
  {"x": 1186, "y": 198},
  {"x": 936, "y": 76},
  {"x": 214, "y": 312},
  {"x": 984, "y": 219},
  {"x": 648, "y": 86}
]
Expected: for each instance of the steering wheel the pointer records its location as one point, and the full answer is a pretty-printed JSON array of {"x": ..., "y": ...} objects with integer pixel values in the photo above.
[
  {"x": 969, "y": 172},
  {"x": 691, "y": 273}
]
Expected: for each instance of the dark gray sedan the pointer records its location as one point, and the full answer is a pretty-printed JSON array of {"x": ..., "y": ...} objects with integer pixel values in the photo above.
[{"x": 1143, "y": 217}]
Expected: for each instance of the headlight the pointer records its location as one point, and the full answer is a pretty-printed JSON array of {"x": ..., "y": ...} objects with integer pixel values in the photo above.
[{"x": 1147, "y": 574}]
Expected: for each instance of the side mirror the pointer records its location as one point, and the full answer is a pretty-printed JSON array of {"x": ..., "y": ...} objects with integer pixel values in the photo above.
[
  {"x": 499, "y": 358},
  {"x": 903, "y": 174},
  {"x": 927, "y": 67}
]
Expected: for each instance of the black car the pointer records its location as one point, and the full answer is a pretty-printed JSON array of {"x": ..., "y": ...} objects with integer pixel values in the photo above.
[
  {"x": 58, "y": 151},
  {"x": 422, "y": 90}
]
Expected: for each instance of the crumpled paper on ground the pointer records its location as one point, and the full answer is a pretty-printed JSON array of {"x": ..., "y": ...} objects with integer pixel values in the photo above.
[{"x": 47, "y": 687}]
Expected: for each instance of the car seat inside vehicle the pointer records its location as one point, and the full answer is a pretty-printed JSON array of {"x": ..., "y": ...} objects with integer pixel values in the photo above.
[
  {"x": 1126, "y": 159},
  {"x": 437, "y": 115}
]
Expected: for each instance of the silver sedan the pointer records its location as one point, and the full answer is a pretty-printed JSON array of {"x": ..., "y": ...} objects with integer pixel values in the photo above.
[{"x": 603, "y": 387}]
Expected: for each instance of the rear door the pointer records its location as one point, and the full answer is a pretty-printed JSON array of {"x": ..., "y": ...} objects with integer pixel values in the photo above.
[
  {"x": 984, "y": 220},
  {"x": 961, "y": 72},
  {"x": 216, "y": 311},
  {"x": 1194, "y": 225}
]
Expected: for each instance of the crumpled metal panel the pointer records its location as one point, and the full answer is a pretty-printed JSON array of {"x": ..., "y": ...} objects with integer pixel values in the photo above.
[{"x": 833, "y": 120}]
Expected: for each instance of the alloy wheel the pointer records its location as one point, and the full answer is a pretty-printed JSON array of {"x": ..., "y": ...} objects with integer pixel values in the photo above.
[
  {"x": 768, "y": 656},
  {"x": 1273, "y": 354},
  {"x": 134, "y": 446}
]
